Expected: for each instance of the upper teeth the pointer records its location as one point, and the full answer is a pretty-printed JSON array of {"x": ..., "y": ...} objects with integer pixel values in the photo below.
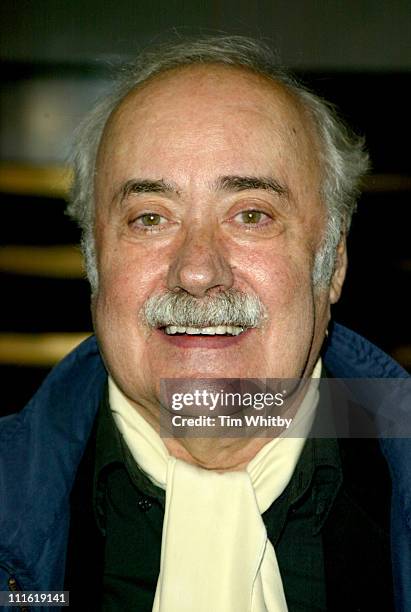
[{"x": 208, "y": 331}]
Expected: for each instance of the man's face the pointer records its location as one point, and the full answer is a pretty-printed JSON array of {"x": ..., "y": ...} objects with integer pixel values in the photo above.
[{"x": 207, "y": 181}]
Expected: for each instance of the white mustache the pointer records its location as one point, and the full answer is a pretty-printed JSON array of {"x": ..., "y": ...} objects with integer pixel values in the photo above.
[{"x": 229, "y": 307}]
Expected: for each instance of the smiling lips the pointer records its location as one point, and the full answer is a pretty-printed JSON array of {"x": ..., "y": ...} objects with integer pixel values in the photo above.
[
  {"x": 219, "y": 330},
  {"x": 221, "y": 336}
]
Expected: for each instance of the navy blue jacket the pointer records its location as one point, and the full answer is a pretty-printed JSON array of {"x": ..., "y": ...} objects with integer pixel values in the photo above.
[{"x": 41, "y": 448}]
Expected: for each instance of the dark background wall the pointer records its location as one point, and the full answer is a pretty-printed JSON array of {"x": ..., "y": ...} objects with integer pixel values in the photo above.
[
  {"x": 327, "y": 34},
  {"x": 57, "y": 59}
]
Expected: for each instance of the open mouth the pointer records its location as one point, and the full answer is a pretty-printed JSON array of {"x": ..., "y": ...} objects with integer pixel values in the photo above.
[
  {"x": 210, "y": 337},
  {"x": 219, "y": 330}
]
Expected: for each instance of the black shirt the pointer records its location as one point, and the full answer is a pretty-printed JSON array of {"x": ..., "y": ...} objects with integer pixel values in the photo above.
[{"x": 129, "y": 512}]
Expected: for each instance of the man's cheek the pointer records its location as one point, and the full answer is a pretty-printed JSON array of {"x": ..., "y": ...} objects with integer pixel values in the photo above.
[
  {"x": 122, "y": 280},
  {"x": 128, "y": 265},
  {"x": 283, "y": 282}
]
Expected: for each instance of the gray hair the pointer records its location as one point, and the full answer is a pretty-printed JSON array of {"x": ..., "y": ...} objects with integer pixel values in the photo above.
[
  {"x": 341, "y": 153},
  {"x": 230, "y": 307}
]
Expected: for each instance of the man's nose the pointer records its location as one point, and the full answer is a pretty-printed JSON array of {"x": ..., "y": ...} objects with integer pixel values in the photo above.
[{"x": 199, "y": 266}]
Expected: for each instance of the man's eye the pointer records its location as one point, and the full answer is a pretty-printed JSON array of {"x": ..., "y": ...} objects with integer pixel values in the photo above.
[
  {"x": 251, "y": 217},
  {"x": 150, "y": 219}
]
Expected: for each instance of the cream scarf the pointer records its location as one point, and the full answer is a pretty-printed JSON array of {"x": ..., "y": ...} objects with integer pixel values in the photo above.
[{"x": 215, "y": 554}]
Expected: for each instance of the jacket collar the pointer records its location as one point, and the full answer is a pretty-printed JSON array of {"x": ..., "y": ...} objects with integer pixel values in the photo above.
[{"x": 349, "y": 355}]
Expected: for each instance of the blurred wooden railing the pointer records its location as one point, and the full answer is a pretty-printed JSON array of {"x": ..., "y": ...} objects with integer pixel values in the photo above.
[
  {"x": 45, "y": 181},
  {"x": 47, "y": 261},
  {"x": 39, "y": 350}
]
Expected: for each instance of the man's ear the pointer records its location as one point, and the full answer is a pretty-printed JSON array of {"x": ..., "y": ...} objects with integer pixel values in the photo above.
[{"x": 340, "y": 269}]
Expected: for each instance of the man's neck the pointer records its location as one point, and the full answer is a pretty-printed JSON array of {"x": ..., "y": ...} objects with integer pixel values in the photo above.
[{"x": 219, "y": 454}]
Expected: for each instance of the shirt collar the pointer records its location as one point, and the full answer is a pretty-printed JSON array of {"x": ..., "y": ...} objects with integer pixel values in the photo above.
[
  {"x": 318, "y": 470},
  {"x": 112, "y": 453}
]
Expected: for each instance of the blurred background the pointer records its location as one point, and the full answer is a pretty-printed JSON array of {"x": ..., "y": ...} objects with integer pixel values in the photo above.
[{"x": 58, "y": 58}]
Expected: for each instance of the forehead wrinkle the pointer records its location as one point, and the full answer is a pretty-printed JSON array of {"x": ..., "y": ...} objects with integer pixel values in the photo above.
[{"x": 295, "y": 131}]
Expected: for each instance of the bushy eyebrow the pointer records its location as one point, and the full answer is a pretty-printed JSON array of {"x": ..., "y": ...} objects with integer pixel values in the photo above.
[
  {"x": 147, "y": 186},
  {"x": 223, "y": 183},
  {"x": 242, "y": 183}
]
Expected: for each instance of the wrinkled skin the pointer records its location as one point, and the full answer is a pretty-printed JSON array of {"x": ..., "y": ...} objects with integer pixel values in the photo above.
[{"x": 188, "y": 128}]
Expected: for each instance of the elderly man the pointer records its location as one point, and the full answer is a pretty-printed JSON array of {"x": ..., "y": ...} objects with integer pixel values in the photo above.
[{"x": 215, "y": 196}]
